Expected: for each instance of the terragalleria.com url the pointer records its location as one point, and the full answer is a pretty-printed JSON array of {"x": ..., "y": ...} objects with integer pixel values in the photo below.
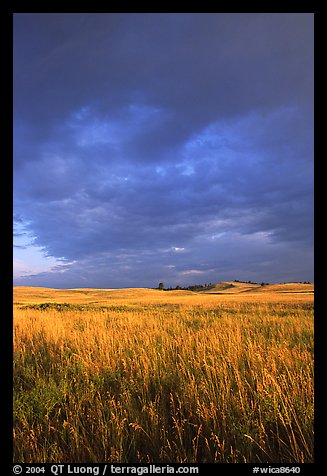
[{"x": 57, "y": 469}]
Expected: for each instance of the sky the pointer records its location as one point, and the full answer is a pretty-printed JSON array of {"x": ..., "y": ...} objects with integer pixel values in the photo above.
[{"x": 164, "y": 147}]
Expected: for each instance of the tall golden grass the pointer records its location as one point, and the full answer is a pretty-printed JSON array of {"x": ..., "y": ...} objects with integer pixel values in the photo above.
[{"x": 164, "y": 377}]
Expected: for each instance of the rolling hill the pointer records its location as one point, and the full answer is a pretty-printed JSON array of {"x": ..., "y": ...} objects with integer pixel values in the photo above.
[
  {"x": 236, "y": 287},
  {"x": 89, "y": 296}
]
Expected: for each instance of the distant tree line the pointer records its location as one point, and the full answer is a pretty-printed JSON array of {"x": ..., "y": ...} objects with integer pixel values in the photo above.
[
  {"x": 299, "y": 282},
  {"x": 193, "y": 287},
  {"x": 251, "y": 282},
  {"x": 266, "y": 284}
]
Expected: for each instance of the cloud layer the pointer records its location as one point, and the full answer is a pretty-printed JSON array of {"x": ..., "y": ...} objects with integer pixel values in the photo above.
[{"x": 164, "y": 147}]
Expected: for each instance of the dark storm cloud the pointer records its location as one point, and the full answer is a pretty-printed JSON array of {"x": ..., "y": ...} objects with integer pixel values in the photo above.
[
  {"x": 197, "y": 67},
  {"x": 158, "y": 143}
]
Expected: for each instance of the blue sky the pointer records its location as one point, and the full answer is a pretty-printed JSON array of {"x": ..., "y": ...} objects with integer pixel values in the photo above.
[{"x": 173, "y": 148}]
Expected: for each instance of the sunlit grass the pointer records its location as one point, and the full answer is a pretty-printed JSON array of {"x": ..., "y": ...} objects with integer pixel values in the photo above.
[{"x": 164, "y": 378}]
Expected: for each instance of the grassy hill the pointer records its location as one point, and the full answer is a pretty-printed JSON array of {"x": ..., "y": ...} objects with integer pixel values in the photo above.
[
  {"x": 231, "y": 287},
  {"x": 288, "y": 288},
  {"x": 227, "y": 291},
  {"x": 236, "y": 287},
  {"x": 93, "y": 296}
]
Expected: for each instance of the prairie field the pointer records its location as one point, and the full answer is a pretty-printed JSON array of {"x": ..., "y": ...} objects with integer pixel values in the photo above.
[{"x": 142, "y": 375}]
